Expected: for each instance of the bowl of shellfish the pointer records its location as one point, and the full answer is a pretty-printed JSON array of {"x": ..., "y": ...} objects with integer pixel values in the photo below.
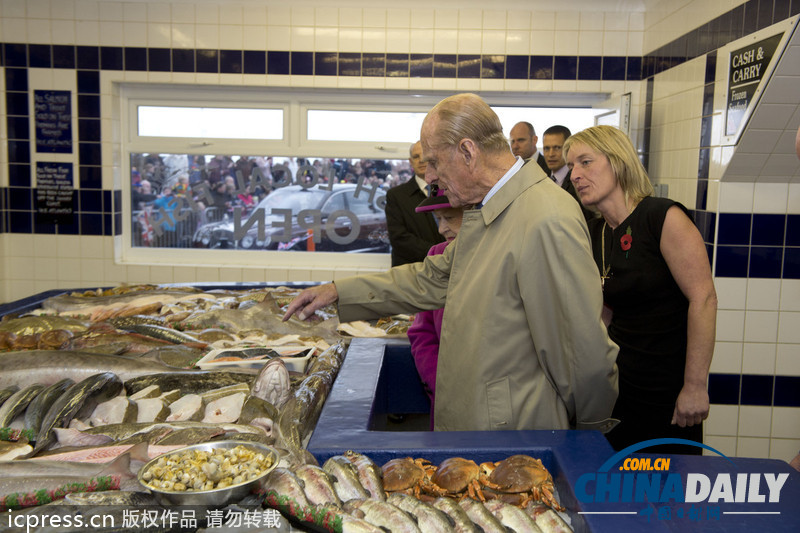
[{"x": 212, "y": 474}]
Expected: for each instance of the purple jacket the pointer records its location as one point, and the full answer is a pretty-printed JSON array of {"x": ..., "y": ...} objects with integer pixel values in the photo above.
[{"x": 424, "y": 336}]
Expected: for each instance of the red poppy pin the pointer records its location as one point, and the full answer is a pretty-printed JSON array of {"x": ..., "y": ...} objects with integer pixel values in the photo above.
[{"x": 626, "y": 240}]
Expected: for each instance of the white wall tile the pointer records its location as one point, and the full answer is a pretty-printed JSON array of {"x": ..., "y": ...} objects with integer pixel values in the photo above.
[
  {"x": 590, "y": 21},
  {"x": 615, "y": 43},
  {"x": 771, "y": 198},
  {"x": 446, "y": 18},
  {"x": 730, "y": 325},
  {"x": 789, "y": 327},
  {"x": 159, "y": 35},
  {"x": 398, "y": 18},
  {"x": 790, "y": 295},
  {"x": 566, "y": 21},
  {"x": 784, "y": 449},
  {"x": 474, "y": 19},
  {"x": 761, "y": 326},
  {"x": 787, "y": 361},
  {"x": 590, "y": 43},
  {"x": 543, "y": 20},
  {"x": 69, "y": 269},
  {"x": 494, "y": 42},
  {"x": 736, "y": 197},
  {"x": 727, "y": 358},
  {"x": 786, "y": 422},
  {"x": 759, "y": 358},
  {"x": 615, "y": 21},
  {"x": 207, "y": 36},
  {"x": 519, "y": 20},
  {"x": 722, "y": 420},
  {"x": 752, "y": 447},
  {"x": 445, "y": 41},
  {"x": 374, "y": 18},
  {"x": 565, "y": 43},
  {"x": 755, "y": 421},
  {"x": 763, "y": 294},
  {"x": 724, "y": 445}
]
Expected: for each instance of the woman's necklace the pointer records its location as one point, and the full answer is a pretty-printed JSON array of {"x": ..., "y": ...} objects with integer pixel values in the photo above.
[{"x": 606, "y": 269}]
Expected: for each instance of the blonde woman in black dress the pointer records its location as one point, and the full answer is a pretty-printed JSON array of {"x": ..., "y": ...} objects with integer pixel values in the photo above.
[{"x": 660, "y": 303}]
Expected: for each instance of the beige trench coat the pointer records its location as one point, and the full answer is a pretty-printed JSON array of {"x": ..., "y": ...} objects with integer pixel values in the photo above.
[{"x": 523, "y": 345}]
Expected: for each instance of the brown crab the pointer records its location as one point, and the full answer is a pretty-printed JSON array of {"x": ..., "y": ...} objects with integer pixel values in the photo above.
[
  {"x": 526, "y": 478},
  {"x": 407, "y": 475},
  {"x": 458, "y": 477}
]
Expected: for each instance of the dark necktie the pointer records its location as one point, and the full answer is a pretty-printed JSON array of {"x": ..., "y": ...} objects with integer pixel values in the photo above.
[{"x": 553, "y": 177}]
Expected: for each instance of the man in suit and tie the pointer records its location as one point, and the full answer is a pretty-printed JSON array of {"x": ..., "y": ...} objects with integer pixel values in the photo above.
[
  {"x": 552, "y": 145},
  {"x": 523, "y": 144},
  {"x": 411, "y": 234}
]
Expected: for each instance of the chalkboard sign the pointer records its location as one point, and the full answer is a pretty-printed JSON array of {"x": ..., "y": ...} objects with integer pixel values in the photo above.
[
  {"x": 748, "y": 66},
  {"x": 54, "y": 198},
  {"x": 53, "y": 119}
]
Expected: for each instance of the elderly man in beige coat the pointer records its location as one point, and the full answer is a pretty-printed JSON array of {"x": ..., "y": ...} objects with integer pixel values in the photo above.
[{"x": 523, "y": 345}]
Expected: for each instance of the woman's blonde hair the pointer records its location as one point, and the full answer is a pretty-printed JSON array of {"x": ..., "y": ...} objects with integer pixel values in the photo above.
[
  {"x": 618, "y": 148},
  {"x": 467, "y": 116}
]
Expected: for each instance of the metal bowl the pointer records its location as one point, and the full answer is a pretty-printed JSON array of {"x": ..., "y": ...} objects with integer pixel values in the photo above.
[{"x": 216, "y": 497}]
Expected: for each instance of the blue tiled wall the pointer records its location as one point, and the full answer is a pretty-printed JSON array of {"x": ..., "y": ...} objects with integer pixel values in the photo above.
[{"x": 99, "y": 212}]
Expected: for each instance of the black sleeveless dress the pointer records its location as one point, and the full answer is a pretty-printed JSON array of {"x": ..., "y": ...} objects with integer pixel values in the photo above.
[{"x": 649, "y": 325}]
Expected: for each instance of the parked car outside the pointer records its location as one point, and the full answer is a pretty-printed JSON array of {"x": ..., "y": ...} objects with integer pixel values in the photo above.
[{"x": 295, "y": 218}]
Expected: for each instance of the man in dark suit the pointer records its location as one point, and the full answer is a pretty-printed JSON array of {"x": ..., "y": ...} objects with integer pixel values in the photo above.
[
  {"x": 411, "y": 234},
  {"x": 552, "y": 146},
  {"x": 523, "y": 144}
]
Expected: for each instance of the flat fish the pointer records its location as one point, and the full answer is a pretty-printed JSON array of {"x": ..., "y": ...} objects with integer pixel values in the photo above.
[
  {"x": 19, "y": 492},
  {"x": 188, "y": 407},
  {"x": 119, "y": 410},
  {"x": 164, "y": 333},
  {"x": 188, "y": 382},
  {"x": 225, "y": 409},
  {"x": 6, "y": 393},
  {"x": 10, "y": 450},
  {"x": 83, "y": 395},
  {"x": 17, "y": 403},
  {"x": 45, "y": 367},
  {"x": 37, "y": 409},
  {"x": 117, "y": 497},
  {"x": 151, "y": 410},
  {"x": 151, "y": 391},
  {"x": 39, "y": 467}
]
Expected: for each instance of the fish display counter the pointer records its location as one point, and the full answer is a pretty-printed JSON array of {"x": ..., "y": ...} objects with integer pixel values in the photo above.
[
  {"x": 379, "y": 406},
  {"x": 96, "y": 384}
]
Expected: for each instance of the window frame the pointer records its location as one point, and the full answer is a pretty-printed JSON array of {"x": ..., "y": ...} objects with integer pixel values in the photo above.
[{"x": 295, "y": 105}]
